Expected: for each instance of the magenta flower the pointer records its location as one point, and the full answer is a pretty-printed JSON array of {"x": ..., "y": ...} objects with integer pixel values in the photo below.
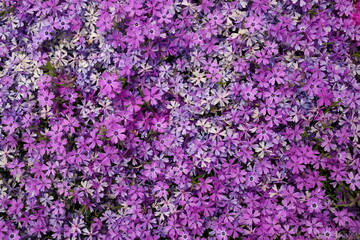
[
  {"x": 152, "y": 95},
  {"x": 10, "y": 124},
  {"x": 343, "y": 217},
  {"x": 160, "y": 189},
  {"x": 325, "y": 97},
  {"x": 109, "y": 85},
  {"x": 152, "y": 170},
  {"x": 251, "y": 217},
  {"x": 253, "y": 23},
  {"x": 327, "y": 144},
  {"x": 353, "y": 180},
  {"x": 356, "y": 14},
  {"x": 249, "y": 93},
  {"x": 314, "y": 205},
  {"x": 45, "y": 98},
  {"x": 272, "y": 96},
  {"x": 15, "y": 206},
  {"x": 116, "y": 133},
  {"x": 104, "y": 22},
  {"x": 159, "y": 124},
  {"x": 148, "y": 119}
]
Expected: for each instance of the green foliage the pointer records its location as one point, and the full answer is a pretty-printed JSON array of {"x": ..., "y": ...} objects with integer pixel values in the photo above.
[
  {"x": 332, "y": 106},
  {"x": 195, "y": 179},
  {"x": 10, "y": 10},
  {"x": 123, "y": 81},
  {"x": 357, "y": 54},
  {"x": 49, "y": 69},
  {"x": 223, "y": 83}
]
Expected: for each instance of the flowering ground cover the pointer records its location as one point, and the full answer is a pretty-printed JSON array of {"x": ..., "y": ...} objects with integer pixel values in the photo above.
[{"x": 179, "y": 119}]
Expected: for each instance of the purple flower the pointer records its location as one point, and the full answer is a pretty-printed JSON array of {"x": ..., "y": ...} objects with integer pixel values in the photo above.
[
  {"x": 253, "y": 23},
  {"x": 353, "y": 180},
  {"x": 179, "y": 119},
  {"x": 109, "y": 85},
  {"x": 46, "y": 97}
]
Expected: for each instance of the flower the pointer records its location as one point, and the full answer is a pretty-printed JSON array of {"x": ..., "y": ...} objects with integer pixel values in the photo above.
[
  {"x": 353, "y": 180},
  {"x": 152, "y": 95},
  {"x": 253, "y": 23},
  {"x": 325, "y": 97},
  {"x": 15, "y": 206},
  {"x": 356, "y": 15},
  {"x": 116, "y": 133},
  {"x": 9, "y": 124},
  {"x": 179, "y": 119},
  {"x": 109, "y": 85},
  {"x": 152, "y": 170},
  {"x": 159, "y": 124},
  {"x": 46, "y": 97},
  {"x": 263, "y": 148}
]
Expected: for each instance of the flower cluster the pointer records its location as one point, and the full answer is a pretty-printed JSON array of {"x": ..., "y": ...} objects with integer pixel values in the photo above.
[
  {"x": 356, "y": 14},
  {"x": 179, "y": 119}
]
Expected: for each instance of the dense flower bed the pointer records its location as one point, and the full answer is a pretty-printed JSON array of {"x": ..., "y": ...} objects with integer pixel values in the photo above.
[{"x": 179, "y": 119}]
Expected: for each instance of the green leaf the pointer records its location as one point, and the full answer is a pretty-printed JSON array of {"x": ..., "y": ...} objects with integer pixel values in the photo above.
[
  {"x": 223, "y": 83},
  {"x": 357, "y": 54},
  {"x": 195, "y": 179},
  {"x": 105, "y": 138},
  {"x": 333, "y": 105},
  {"x": 83, "y": 208},
  {"x": 312, "y": 12},
  {"x": 49, "y": 69},
  {"x": 11, "y": 9},
  {"x": 117, "y": 207}
]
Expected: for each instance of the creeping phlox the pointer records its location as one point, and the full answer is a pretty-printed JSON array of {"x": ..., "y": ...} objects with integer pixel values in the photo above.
[{"x": 179, "y": 119}]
